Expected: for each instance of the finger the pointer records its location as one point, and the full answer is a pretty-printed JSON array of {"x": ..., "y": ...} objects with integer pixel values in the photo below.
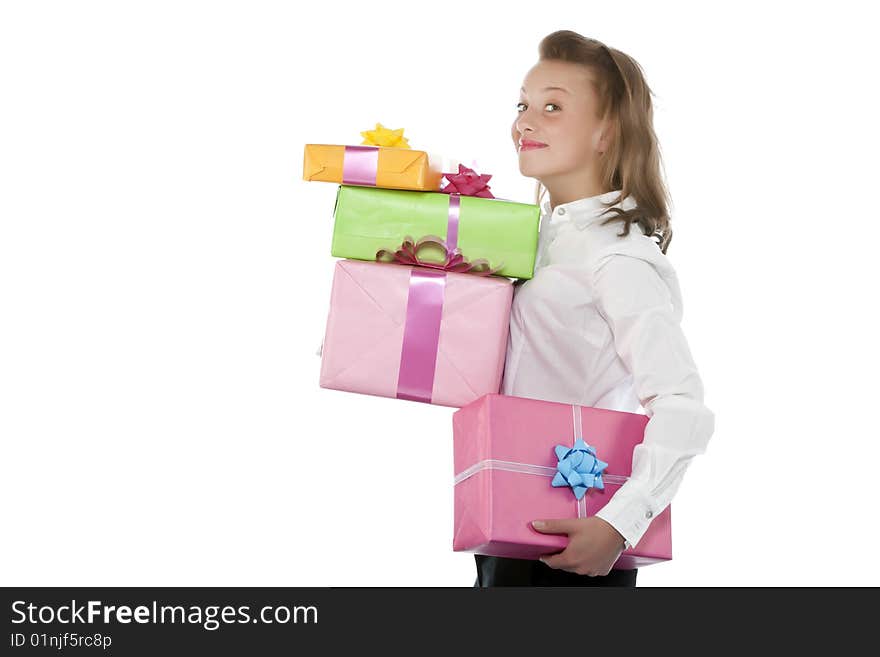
[
  {"x": 555, "y": 526},
  {"x": 559, "y": 560}
]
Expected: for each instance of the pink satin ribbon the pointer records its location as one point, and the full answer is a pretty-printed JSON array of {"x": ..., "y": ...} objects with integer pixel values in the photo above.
[
  {"x": 421, "y": 335},
  {"x": 359, "y": 165},
  {"x": 452, "y": 221},
  {"x": 424, "y": 305}
]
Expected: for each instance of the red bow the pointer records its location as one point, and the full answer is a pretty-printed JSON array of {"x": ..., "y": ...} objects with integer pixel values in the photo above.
[{"x": 467, "y": 182}]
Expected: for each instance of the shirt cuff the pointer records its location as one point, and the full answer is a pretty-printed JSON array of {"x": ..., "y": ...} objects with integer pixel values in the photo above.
[{"x": 630, "y": 512}]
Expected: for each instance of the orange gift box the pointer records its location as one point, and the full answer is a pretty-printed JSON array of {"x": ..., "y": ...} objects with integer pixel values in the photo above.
[{"x": 371, "y": 166}]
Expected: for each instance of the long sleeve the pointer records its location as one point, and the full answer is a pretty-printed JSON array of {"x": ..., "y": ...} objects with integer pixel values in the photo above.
[{"x": 643, "y": 310}]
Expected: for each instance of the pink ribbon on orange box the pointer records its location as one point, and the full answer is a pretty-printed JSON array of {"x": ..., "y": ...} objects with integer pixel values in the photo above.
[
  {"x": 424, "y": 306},
  {"x": 360, "y": 164}
]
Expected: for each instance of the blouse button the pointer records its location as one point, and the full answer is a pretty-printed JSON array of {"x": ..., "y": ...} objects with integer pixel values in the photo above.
[
  {"x": 649, "y": 514},
  {"x": 561, "y": 210}
]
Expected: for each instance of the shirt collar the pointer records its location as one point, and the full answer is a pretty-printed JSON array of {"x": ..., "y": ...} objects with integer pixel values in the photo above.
[{"x": 585, "y": 211}]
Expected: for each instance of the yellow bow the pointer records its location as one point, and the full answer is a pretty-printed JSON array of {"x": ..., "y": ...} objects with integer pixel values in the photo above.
[{"x": 382, "y": 136}]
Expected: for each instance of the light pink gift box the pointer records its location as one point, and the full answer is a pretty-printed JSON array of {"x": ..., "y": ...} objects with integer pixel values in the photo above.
[
  {"x": 414, "y": 333},
  {"x": 505, "y": 460}
]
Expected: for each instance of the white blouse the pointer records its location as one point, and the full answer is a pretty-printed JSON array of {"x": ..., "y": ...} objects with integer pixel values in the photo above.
[{"x": 599, "y": 325}]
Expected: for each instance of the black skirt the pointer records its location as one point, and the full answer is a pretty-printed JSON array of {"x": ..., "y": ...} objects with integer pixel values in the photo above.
[{"x": 501, "y": 571}]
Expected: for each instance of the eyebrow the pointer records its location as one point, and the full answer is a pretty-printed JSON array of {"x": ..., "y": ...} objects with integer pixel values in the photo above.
[{"x": 549, "y": 89}]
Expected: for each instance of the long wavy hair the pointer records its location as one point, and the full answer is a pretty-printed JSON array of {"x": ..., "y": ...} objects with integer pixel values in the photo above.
[{"x": 632, "y": 162}]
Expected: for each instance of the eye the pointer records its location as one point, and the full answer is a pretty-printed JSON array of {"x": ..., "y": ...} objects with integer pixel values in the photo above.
[{"x": 547, "y": 105}]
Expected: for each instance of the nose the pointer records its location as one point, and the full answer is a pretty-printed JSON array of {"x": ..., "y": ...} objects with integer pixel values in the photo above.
[
  {"x": 523, "y": 122},
  {"x": 523, "y": 126}
]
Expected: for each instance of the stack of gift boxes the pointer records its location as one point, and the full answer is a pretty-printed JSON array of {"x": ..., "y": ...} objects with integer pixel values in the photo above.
[
  {"x": 420, "y": 302},
  {"x": 419, "y": 310}
]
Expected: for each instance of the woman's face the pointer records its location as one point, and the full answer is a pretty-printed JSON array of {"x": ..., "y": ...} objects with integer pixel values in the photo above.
[{"x": 563, "y": 118}]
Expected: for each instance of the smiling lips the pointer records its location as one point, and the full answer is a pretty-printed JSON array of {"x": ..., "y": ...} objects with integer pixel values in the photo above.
[{"x": 528, "y": 145}]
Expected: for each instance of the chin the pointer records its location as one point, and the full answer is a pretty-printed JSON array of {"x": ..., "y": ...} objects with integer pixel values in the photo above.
[{"x": 530, "y": 169}]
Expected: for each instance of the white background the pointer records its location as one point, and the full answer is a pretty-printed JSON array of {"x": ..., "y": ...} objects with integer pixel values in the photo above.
[{"x": 165, "y": 277}]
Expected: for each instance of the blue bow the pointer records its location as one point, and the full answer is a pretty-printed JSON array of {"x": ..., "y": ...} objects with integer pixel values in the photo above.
[{"x": 579, "y": 468}]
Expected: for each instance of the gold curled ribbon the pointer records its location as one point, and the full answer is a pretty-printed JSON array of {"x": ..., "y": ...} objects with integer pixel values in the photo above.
[{"x": 408, "y": 254}]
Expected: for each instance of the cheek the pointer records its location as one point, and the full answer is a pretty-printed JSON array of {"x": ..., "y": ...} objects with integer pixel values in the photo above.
[
  {"x": 574, "y": 129},
  {"x": 578, "y": 141}
]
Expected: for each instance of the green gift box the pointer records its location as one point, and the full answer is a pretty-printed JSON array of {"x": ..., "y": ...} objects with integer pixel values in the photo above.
[{"x": 368, "y": 219}]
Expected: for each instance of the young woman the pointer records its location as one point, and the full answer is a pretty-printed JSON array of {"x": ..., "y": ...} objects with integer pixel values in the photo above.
[{"x": 599, "y": 323}]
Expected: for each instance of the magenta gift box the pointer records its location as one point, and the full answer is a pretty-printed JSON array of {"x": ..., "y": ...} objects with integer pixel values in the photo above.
[
  {"x": 415, "y": 333},
  {"x": 504, "y": 464}
]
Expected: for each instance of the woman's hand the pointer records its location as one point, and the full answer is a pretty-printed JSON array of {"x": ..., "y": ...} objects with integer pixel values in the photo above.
[{"x": 593, "y": 545}]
